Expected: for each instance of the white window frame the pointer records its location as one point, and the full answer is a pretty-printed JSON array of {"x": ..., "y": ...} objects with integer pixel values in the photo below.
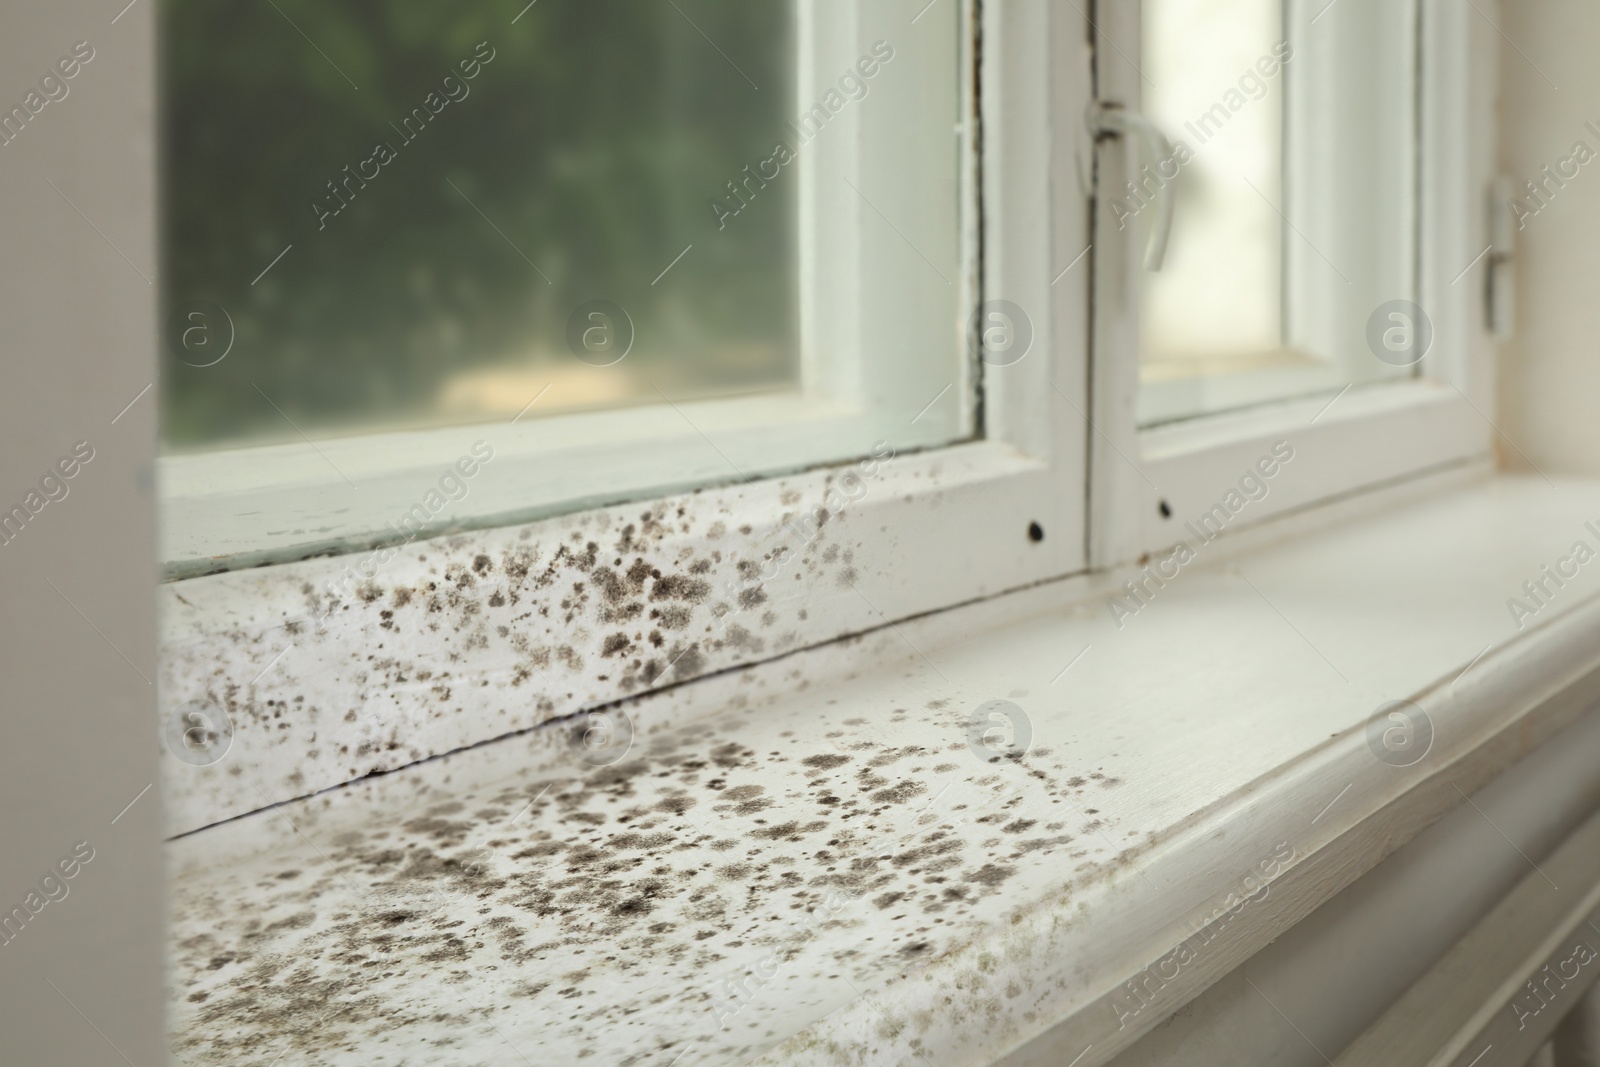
[
  {"x": 1102, "y": 491},
  {"x": 867, "y": 329},
  {"x": 1022, "y": 475},
  {"x": 1371, "y": 436}
]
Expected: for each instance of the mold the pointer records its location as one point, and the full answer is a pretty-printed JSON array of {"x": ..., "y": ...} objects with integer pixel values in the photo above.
[{"x": 670, "y": 868}]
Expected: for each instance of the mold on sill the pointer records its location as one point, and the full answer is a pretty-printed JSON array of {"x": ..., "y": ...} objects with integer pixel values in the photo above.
[{"x": 720, "y": 888}]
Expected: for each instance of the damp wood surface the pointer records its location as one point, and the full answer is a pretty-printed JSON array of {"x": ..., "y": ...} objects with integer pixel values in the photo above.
[{"x": 831, "y": 874}]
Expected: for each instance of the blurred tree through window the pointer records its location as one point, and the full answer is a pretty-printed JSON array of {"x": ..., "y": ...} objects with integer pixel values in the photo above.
[{"x": 574, "y": 165}]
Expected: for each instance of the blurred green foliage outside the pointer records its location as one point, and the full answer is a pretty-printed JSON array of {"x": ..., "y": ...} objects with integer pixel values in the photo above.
[{"x": 574, "y": 166}]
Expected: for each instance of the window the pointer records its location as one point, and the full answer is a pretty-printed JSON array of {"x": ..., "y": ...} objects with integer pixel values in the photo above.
[
  {"x": 1294, "y": 181},
  {"x": 1326, "y": 180},
  {"x": 948, "y": 345},
  {"x": 962, "y": 293},
  {"x": 630, "y": 248},
  {"x": 818, "y": 232}
]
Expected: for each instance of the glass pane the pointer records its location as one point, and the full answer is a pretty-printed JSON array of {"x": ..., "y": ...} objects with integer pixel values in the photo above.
[
  {"x": 400, "y": 214},
  {"x": 1292, "y": 173},
  {"x": 1217, "y": 301}
]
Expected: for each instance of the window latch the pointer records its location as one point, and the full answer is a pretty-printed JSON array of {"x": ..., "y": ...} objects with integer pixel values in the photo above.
[
  {"x": 1500, "y": 296},
  {"x": 1108, "y": 119}
]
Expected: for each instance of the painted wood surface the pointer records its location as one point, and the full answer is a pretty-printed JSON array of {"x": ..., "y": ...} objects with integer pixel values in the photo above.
[
  {"x": 331, "y": 669},
  {"x": 837, "y": 877},
  {"x": 1502, "y": 991}
]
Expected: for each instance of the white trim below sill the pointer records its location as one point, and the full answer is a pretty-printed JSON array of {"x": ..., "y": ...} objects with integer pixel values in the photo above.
[
  {"x": 1493, "y": 988},
  {"x": 1221, "y": 734}
]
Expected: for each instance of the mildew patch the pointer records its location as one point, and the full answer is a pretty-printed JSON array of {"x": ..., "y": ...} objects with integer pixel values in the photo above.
[
  {"x": 333, "y": 669},
  {"x": 618, "y": 914}
]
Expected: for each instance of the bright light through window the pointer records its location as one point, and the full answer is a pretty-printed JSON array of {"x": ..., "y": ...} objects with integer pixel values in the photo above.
[{"x": 1293, "y": 178}]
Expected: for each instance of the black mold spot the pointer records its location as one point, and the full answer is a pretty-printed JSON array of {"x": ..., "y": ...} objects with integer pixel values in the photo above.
[
  {"x": 689, "y": 662},
  {"x": 679, "y": 587},
  {"x": 671, "y": 617},
  {"x": 899, "y": 794},
  {"x": 990, "y": 874},
  {"x": 677, "y": 805}
]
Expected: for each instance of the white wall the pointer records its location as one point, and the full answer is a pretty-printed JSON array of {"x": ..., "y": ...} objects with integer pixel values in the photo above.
[
  {"x": 82, "y": 981},
  {"x": 1550, "y": 371}
]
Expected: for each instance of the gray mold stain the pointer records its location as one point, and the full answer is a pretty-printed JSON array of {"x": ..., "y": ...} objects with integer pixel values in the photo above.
[
  {"x": 471, "y": 636},
  {"x": 596, "y": 914}
]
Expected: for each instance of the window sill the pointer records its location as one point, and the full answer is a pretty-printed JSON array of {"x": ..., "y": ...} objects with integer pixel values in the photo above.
[{"x": 1196, "y": 783}]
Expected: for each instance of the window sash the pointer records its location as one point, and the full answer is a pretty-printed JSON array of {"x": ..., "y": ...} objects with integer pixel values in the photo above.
[
  {"x": 882, "y": 361},
  {"x": 1146, "y": 483}
]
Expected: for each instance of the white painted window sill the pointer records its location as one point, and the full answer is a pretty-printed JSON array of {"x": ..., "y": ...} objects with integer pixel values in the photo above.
[{"x": 800, "y": 872}]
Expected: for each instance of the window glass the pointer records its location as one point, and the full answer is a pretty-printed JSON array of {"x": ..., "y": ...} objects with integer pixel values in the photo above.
[
  {"x": 389, "y": 215},
  {"x": 1294, "y": 136}
]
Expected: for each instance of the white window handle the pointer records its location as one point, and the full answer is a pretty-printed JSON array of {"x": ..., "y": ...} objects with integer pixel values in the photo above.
[{"x": 1116, "y": 120}]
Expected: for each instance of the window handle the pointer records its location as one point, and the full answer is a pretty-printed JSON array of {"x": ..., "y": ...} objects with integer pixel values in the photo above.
[{"x": 1114, "y": 120}]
